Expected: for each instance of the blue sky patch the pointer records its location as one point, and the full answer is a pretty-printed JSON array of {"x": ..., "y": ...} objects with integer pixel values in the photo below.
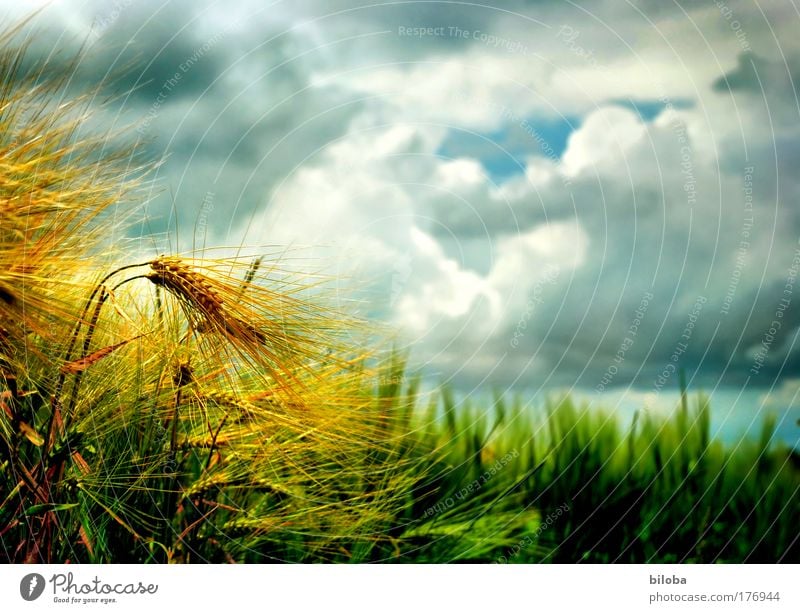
[
  {"x": 648, "y": 110},
  {"x": 502, "y": 152}
]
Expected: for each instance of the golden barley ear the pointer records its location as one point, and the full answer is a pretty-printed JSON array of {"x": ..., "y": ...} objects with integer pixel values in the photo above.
[
  {"x": 189, "y": 286},
  {"x": 272, "y": 328}
]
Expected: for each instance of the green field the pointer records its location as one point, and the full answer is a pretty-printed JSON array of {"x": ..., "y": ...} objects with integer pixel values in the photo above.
[
  {"x": 575, "y": 485},
  {"x": 438, "y": 482}
]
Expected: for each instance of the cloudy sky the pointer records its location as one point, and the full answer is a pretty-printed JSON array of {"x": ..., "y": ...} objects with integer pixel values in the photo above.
[{"x": 537, "y": 194}]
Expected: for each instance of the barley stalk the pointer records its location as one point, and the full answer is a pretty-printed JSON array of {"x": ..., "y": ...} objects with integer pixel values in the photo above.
[{"x": 228, "y": 399}]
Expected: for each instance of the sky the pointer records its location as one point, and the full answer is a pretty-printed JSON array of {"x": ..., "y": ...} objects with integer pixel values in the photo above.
[{"x": 537, "y": 195}]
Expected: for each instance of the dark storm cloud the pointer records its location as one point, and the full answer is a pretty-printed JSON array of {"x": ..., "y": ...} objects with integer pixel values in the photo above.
[
  {"x": 213, "y": 101},
  {"x": 760, "y": 76}
]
